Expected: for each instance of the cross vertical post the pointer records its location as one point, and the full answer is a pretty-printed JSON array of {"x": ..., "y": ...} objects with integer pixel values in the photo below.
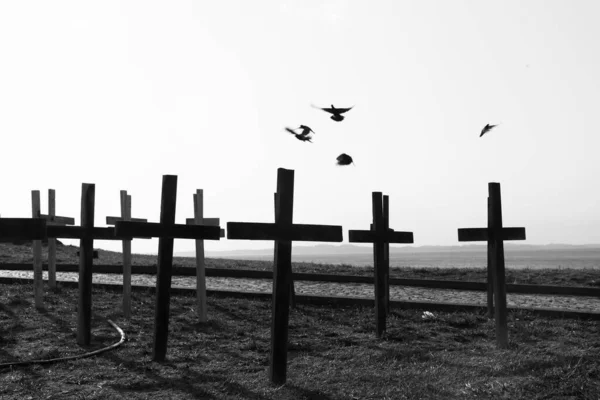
[
  {"x": 51, "y": 241},
  {"x": 282, "y": 231},
  {"x": 497, "y": 254},
  {"x": 38, "y": 283},
  {"x": 201, "y": 301},
  {"x": 495, "y": 235},
  {"x": 386, "y": 254},
  {"x": 380, "y": 235},
  {"x": 86, "y": 260},
  {"x": 166, "y": 231},
  {"x": 53, "y": 219},
  {"x": 165, "y": 268},
  {"x": 490, "y": 269},
  {"x": 292, "y": 290},
  {"x": 125, "y": 216},
  {"x": 282, "y": 276}
]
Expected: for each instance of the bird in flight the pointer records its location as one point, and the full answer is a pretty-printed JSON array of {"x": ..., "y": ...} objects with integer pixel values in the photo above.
[
  {"x": 336, "y": 113},
  {"x": 344, "y": 159},
  {"x": 300, "y": 136},
  {"x": 486, "y": 129},
  {"x": 305, "y": 130}
]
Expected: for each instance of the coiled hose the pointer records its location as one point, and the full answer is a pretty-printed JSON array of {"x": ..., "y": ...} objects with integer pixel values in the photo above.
[{"x": 92, "y": 353}]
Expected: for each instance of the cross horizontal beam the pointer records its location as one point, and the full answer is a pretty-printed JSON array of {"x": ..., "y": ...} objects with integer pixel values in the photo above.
[
  {"x": 114, "y": 220},
  {"x": 383, "y": 237},
  {"x": 80, "y": 232},
  {"x": 22, "y": 228},
  {"x": 296, "y": 232},
  {"x": 53, "y": 219},
  {"x": 207, "y": 221},
  {"x": 482, "y": 234},
  {"x": 175, "y": 231}
]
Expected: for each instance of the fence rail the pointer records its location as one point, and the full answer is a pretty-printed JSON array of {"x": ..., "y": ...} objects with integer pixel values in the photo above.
[{"x": 574, "y": 291}]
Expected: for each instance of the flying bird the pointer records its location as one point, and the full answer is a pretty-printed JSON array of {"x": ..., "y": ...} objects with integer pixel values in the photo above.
[
  {"x": 336, "y": 113},
  {"x": 299, "y": 136},
  {"x": 344, "y": 159},
  {"x": 305, "y": 130},
  {"x": 486, "y": 129}
]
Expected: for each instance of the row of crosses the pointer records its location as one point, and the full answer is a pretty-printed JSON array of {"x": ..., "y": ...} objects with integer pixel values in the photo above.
[{"x": 283, "y": 232}]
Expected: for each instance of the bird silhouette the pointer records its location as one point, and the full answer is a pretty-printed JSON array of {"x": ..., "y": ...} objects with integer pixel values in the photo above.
[
  {"x": 300, "y": 136},
  {"x": 486, "y": 129},
  {"x": 344, "y": 159},
  {"x": 305, "y": 130},
  {"x": 336, "y": 113}
]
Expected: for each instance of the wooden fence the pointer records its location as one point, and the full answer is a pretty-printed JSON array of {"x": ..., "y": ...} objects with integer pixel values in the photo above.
[{"x": 283, "y": 232}]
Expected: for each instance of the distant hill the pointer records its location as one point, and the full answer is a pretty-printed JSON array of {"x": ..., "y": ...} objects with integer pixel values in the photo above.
[{"x": 346, "y": 249}]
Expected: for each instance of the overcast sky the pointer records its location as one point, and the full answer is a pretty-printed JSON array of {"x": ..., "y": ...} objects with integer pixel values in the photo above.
[{"x": 121, "y": 93}]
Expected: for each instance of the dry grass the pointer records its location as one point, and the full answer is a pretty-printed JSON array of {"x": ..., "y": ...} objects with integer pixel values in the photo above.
[{"x": 333, "y": 352}]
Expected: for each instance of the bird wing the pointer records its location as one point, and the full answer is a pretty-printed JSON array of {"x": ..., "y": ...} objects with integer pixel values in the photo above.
[
  {"x": 486, "y": 129},
  {"x": 290, "y": 130},
  {"x": 329, "y": 110},
  {"x": 343, "y": 110}
]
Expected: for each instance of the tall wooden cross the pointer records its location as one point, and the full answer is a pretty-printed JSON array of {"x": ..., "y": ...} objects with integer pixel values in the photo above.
[
  {"x": 166, "y": 231},
  {"x": 200, "y": 265},
  {"x": 283, "y": 232},
  {"x": 495, "y": 235},
  {"x": 86, "y": 233},
  {"x": 380, "y": 235},
  {"x": 52, "y": 219},
  {"x": 125, "y": 216}
]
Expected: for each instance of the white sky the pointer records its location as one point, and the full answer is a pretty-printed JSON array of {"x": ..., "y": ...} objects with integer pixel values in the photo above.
[{"x": 121, "y": 93}]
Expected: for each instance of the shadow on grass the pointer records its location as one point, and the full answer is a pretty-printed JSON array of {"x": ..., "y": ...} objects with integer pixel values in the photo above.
[{"x": 188, "y": 381}]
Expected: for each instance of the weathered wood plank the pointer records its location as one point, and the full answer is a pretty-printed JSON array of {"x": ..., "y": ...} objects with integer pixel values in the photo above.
[
  {"x": 153, "y": 229},
  {"x": 52, "y": 241},
  {"x": 296, "y": 232},
  {"x": 165, "y": 266},
  {"x": 38, "y": 282},
  {"x": 356, "y": 236},
  {"x": 207, "y": 221},
  {"x": 114, "y": 220},
  {"x": 86, "y": 261},
  {"x": 201, "y": 303},
  {"x": 490, "y": 270},
  {"x": 126, "y": 216},
  {"x": 80, "y": 232},
  {"x": 22, "y": 229},
  {"x": 497, "y": 253},
  {"x": 282, "y": 272},
  {"x": 386, "y": 252},
  {"x": 379, "y": 264},
  {"x": 482, "y": 235}
]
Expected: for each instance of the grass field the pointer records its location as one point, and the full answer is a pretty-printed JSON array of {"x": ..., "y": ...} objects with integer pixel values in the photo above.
[{"x": 333, "y": 352}]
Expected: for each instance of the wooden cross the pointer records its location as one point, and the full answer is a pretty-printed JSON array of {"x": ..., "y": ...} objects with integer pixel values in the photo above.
[
  {"x": 125, "y": 216},
  {"x": 380, "y": 235},
  {"x": 200, "y": 265},
  {"x": 52, "y": 219},
  {"x": 495, "y": 235},
  {"x": 86, "y": 233},
  {"x": 166, "y": 231},
  {"x": 283, "y": 232}
]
